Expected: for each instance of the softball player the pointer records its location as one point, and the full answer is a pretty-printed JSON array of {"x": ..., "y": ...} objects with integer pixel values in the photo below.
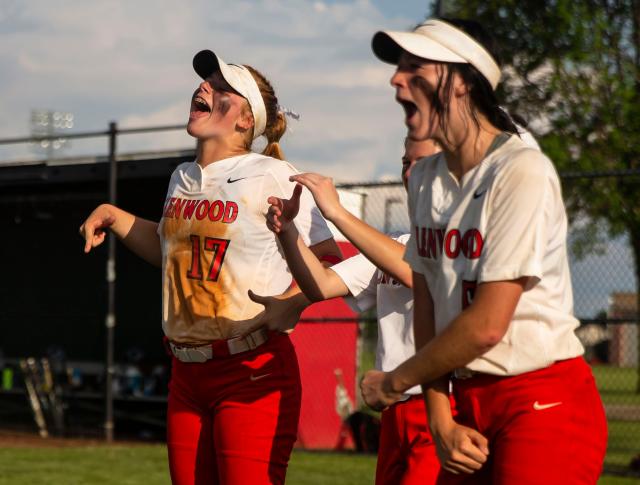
[
  {"x": 492, "y": 290},
  {"x": 234, "y": 395},
  {"x": 377, "y": 276}
]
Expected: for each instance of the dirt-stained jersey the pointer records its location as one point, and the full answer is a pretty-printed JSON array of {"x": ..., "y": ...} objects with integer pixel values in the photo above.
[
  {"x": 504, "y": 220},
  {"x": 216, "y": 245}
]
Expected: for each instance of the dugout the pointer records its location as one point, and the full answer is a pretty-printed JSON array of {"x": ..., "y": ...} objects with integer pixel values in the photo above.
[{"x": 53, "y": 296}]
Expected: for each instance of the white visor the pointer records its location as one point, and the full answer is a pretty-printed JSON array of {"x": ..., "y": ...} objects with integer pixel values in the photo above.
[
  {"x": 239, "y": 78},
  {"x": 437, "y": 41}
]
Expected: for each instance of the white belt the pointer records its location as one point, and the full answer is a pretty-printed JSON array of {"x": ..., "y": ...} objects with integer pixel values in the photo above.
[{"x": 220, "y": 348}]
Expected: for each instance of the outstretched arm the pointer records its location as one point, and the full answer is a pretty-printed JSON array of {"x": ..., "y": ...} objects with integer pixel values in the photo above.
[
  {"x": 139, "y": 235},
  {"x": 384, "y": 252},
  {"x": 316, "y": 281}
]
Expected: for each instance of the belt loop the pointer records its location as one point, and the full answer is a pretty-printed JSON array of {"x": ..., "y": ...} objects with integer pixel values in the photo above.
[{"x": 250, "y": 341}]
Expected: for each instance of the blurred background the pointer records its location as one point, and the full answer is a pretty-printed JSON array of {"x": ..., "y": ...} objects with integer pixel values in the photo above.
[{"x": 93, "y": 100}]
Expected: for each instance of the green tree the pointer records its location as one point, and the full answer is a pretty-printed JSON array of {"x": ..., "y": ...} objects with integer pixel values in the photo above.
[{"x": 572, "y": 68}]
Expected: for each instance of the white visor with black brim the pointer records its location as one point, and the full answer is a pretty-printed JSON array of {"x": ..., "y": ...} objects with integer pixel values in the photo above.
[
  {"x": 436, "y": 40},
  {"x": 240, "y": 79}
]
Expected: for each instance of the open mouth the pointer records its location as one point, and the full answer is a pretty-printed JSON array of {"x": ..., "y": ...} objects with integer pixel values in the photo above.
[
  {"x": 410, "y": 109},
  {"x": 199, "y": 107}
]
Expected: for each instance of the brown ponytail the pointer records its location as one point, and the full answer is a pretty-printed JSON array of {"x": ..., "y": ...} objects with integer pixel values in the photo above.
[{"x": 276, "y": 122}]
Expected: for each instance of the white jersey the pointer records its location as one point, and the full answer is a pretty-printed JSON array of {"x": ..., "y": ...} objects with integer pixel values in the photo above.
[
  {"x": 216, "y": 245},
  {"x": 369, "y": 287},
  {"x": 504, "y": 220}
]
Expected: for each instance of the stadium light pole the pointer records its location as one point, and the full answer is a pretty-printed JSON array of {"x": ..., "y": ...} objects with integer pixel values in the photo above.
[
  {"x": 110, "y": 321},
  {"x": 48, "y": 123}
]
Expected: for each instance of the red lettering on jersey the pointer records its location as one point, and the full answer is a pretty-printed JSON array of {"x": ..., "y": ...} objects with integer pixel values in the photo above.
[
  {"x": 468, "y": 292},
  {"x": 431, "y": 244},
  {"x": 202, "y": 210},
  {"x": 195, "y": 272},
  {"x": 177, "y": 207},
  {"x": 472, "y": 244},
  {"x": 219, "y": 249},
  {"x": 440, "y": 233},
  {"x": 452, "y": 243},
  {"x": 168, "y": 206},
  {"x": 230, "y": 212},
  {"x": 188, "y": 208},
  {"x": 216, "y": 210}
]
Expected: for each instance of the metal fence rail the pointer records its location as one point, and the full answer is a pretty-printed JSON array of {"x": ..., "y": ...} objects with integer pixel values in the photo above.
[{"x": 605, "y": 294}]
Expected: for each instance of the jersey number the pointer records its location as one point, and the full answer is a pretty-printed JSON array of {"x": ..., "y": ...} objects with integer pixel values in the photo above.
[{"x": 219, "y": 248}]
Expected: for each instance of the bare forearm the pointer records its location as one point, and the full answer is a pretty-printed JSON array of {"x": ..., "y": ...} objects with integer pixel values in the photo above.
[
  {"x": 437, "y": 401},
  {"x": 143, "y": 240},
  {"x": 138, "y": 235},
  {"x": 380, "y": 249},
  {"x": 455, "y": 347},
  {"x": 474, "y": 332},
  {"x": 317, "y": 282},
  {"x": 423, "y": 320}
]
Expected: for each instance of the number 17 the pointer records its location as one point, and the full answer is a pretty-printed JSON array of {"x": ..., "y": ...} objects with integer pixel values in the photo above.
[{"x": 219, "y": 248}]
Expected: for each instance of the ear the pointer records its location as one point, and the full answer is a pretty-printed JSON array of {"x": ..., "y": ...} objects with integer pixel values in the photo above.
[
  {"x": 460, "y": 88},
  {"x": 245, "y": 121}
]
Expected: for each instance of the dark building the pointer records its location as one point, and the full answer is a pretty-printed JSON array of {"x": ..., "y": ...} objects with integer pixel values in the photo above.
[{"x": 51, "y": 293}]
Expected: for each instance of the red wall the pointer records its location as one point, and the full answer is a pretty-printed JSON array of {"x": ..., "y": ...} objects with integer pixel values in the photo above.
[{"x": 322, "y": 348}]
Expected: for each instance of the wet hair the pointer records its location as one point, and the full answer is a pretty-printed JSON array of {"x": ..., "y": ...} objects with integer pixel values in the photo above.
[
  {"x": 276, "y": 123},
  {"x": 483, "y": 98}
]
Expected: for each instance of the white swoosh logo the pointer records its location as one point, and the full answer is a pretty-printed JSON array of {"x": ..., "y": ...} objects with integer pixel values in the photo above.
[
  {"x": 539, "y": 407},
  {"x": 257, "y": 378}
]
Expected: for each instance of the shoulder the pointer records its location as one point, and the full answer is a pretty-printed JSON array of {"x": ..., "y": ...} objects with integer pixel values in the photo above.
[
  {"x": 519, "y": 161},
  {"x": 271, "y": 165},
  {"x": 184, "y": 167},
  {"x": 182, "y": 171},
  {"x": 424, "y": 172}
]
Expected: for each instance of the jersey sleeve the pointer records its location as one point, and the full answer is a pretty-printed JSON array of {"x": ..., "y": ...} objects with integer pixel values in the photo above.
[
  {"x": 310, "y": 224},
  {"x": 360, "y": 277},
  {"x": 524, "y": 198}
]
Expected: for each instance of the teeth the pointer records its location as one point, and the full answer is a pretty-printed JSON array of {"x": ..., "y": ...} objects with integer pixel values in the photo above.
[{"x": 201, "y": 102}]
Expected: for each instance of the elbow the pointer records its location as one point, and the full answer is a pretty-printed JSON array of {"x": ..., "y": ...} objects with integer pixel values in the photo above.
[
  {"x": 313, "y": 294},
  {"x": 484, "y": 339},
  {"x": 486, "y": 342}
]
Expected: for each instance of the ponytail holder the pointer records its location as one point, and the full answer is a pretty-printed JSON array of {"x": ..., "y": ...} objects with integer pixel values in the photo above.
[{"x": 288, "y": 112}]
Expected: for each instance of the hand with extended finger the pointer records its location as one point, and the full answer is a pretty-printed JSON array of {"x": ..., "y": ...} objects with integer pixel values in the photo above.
[
  {"x": 281, "y": 313},
  {"x": 324, "y": 193},
  {"x": 282, "y": 212},
  {"x": 460, "y": 449},
  {"x": 376, "y": 390},
  {"x": 93, "y": 230}
]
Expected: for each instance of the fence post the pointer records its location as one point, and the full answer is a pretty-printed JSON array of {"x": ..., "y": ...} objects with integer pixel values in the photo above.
[{"x": 110, "y": 321}]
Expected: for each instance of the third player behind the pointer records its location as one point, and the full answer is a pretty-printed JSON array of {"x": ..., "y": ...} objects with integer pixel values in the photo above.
[{"x": 377, "y": 276}]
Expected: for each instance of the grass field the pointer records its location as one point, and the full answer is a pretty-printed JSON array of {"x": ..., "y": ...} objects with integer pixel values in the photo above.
[
  {"x": 617, "y": 385},
  {"x": 147, "y": 464}
]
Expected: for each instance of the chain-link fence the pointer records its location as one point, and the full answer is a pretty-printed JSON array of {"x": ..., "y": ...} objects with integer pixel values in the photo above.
[{"x": 605, "y": 301}]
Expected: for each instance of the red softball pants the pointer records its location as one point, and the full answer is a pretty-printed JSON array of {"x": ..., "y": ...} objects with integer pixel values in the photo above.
[
  {"x": 544, "y": 427},
  {"x": 233, "y": 420},
  {"x": 407, "y": 453}
]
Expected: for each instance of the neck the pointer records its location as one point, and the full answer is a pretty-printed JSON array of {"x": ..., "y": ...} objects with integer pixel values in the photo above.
[
  {"x": 212, "y": 150},
  {"x": 468, "y": 146}
]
